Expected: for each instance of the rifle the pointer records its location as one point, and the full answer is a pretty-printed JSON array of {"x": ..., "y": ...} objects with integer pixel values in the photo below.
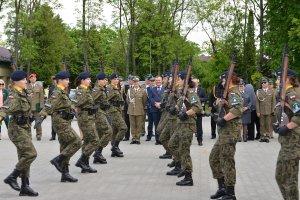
[
  {"x": 222, "y": 111},
  {"x": 281, "y": 117},
  {"x": 185, "y": 88},
  {"x": 174, "y": 77}
]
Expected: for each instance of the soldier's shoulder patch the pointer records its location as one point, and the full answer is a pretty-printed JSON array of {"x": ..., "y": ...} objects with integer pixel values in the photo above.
[{"x": 193, "y": 99}]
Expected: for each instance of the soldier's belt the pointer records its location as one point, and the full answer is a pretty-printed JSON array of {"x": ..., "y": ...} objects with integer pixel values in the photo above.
[
  {"x": 21, "y": 119},
  {"x": 91, "y": 111},
  {"x": 66, "y": 115}
]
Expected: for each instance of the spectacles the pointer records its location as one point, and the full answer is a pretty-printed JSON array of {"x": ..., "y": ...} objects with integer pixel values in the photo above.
[
  {"x": 1, "y": 83},
  {"x": 264, "y": 82}
]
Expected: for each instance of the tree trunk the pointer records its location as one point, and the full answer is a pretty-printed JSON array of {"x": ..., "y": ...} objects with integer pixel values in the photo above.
[
  {"x": 261, "y": 34},
  {"x": 85, "y": 47},
  {"x": 16, "y": 33}
]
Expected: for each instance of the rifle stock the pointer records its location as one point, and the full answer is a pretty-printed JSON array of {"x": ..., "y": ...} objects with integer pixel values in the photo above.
[{"x": 174, "y": 77}]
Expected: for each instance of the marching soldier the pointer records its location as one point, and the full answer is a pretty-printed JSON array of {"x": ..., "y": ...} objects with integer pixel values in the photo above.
[
  {"x": 36, "y": 92},
  {"x": 59, "y": 106},
  {"x": 136, "y": 98},
  {"x": 86, "y": 121},
  {"x": 114, "y": 115},
  {"x": 265, "y": 104},
  {"x": 19, "y": 132},
  {"x": 186, "y": 126},
  {"x": 289, "y": 137},
  {"x": 103, "y": 127},
  {"x": 221, "y": 158}
]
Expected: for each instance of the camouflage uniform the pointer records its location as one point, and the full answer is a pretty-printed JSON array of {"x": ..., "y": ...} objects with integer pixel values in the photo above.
[
  {"x": 287, "y": 167},
  {"x": 86, "y": 120},
  {"x": 164, "y": 115},
  {"x": 102, "y": 125},
  {"x": 19, "y": 128},
  {"x": 59, "y": 106},
  {"x": 185, "y": 129},
  {"x": 114, "y": 113},
  {"x": 221, "y": 158}
]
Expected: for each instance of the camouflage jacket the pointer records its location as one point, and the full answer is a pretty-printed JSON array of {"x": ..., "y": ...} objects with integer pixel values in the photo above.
[
  {"x": 17, "y": 104},
  {"x": 290, "y": 142},
  {"x": 115, "y": 99},
  {"x": 192, "y": 102},
  {"x": 84, "y": 101},
  {"x": 100, "y": 97},
  {"x": 58, "y": 101}
]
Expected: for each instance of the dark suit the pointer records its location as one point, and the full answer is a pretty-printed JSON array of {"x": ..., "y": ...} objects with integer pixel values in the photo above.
[
  {"x": 203, "y": 98},
  {"x": 126, "y": 116},
  {"x": 149, "y": 113},
  {"x": 155, "y": 96}
]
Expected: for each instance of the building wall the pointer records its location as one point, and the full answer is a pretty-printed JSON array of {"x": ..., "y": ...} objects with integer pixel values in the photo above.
[{"x": 5, "y": 72}]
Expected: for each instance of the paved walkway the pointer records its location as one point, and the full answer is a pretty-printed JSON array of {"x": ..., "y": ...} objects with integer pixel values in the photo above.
[{"x": 140, "y": 175}]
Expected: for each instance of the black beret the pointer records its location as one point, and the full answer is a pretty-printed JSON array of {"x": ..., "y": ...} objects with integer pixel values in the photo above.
[
  {"x": 62, "y": 75},
  {"x": 101, "y": 76},
  {"x": 182, "y": 75},
  {"x": 18, "y": 75},
  {"x": 83, "y": 75},
  {"x": 167, "y": 74},
  {"x": 113, "y": 76}
]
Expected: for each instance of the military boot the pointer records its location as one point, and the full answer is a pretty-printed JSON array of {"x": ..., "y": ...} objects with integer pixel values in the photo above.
[
  {"x": 182, "y": 173},
  {"x": 89, "y": 168},
  {"x": 66, "y": 177},
  {"x": 221, "y": 191},
  {"x": 176, "y": 170},
  {"x": 167, "y": 155},
  {"x": 115, "y": 151},
  {"x": 171, "y": 164},
  {"x": 187, "y": 181},
  {"x": 11, "y": 180},
  {"x": 26, "y": 190},
  {"x": 81, "y": 163},
  {"x": 230, "y": 194},
  {"x": 98, "y": 157},
  {"x": 57, "y": 162}
]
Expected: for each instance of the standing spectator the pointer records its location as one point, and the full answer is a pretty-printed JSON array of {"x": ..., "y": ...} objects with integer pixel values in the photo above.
[
  {"x": 203, "y": 98},
  {"x": 3, "y": 96},
  {"x": 149, "y": 85},
  {"x": 246, "y": 116},
  {"x": 136, "y": 99},
  {"x": 273, "y": 118},
  {"x": 254, "y": 118},
  {"x": 51, "y": 89},
  {"x": 155, "y": 100},
  {"x": 36, "y": 92},
  {"x": 265, "y": 108},
  {"x": 126, "y": 116}
]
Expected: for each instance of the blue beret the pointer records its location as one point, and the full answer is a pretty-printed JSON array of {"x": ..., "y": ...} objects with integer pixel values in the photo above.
[
  {"x": 62, "y": 75},
  {"x": 113, "y": 76},
  {"x": 101, "y": 76},
  {"x": 83, "y": 75},
  {"x": 18, "y": 75},
  {"x": 182, "y": 75}
]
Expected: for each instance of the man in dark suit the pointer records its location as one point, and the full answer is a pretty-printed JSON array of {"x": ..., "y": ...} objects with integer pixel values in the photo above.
[
  {"x": 126, "y": 116},
  {"x": 150, "y": 83},
  {"x": 155, "y": 100},
  {"x": 203, "y": 98}
]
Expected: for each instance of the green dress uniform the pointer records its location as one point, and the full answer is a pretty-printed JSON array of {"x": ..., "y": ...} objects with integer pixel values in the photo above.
[
  {"x": 36, "y": 93},
  {"x": 265, "y": 104},
  {"x": 136, "y": 98},
  {"x": 60, "y": 107},
  {"x": 287, "y": 167},
  {"x": 221, "y": 158},
  {"x": 19, "y": 131},
  {"x": 86, "y": 122},
  {"x": 114, "y": 114},
  {"x": 103, "y": 127}
]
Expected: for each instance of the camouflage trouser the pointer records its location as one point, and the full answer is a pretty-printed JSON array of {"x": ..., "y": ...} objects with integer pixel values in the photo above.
[
  {"x": 166, "y": 133},
  {"x": 222, "y": 164},
  {"x": 174, "y": 144},
  {"x": 68, "y": 139},
  {"x": 287, "y": 177},
  {"x": 38, "y": 128},
  {"x": 21, "y": 137},
  {"x": 185, "y": 142},
  {"x": 118, "y": 125},
  {"x": 90, "y": 137},
  {"x": 162, "y": 123},
  {"x": 265, "y": 126},
  {"x": 104, "y": 129},
  {"x": 136, "y": 126}
]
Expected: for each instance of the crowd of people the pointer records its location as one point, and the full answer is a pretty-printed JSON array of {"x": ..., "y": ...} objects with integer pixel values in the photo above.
[{"x": 115, "y": 110}]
